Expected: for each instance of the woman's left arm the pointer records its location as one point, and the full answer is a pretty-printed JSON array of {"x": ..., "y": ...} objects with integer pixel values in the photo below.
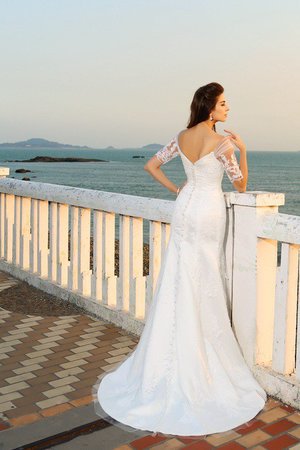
[
  {"x": 244, "y": 168},
  {"x": 237, "y": 140}
]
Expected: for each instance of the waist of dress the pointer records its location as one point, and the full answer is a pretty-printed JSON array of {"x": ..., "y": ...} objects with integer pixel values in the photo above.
[{"x": 199, "y": 188}]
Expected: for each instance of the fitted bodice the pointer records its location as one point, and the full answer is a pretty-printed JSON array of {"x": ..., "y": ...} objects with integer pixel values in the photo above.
[{"x": 205, "y": 174}]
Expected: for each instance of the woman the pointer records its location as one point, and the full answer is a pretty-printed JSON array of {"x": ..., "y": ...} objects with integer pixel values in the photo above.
[{"x": 187, "y": 375}]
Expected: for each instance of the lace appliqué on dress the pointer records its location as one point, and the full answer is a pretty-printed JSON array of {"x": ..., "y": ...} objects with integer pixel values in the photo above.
[
  {"x": 225, "y": 154},
  {"x": 168, "y": 152}
]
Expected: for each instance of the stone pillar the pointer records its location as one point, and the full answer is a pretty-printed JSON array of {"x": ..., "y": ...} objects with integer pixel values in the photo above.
[
  {"x": 254, "y": 264},
  {"x": 4, "y": 172}
]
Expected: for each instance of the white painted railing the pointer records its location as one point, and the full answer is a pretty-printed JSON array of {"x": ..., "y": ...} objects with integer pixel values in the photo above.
[{"x": 63, "y": 240}]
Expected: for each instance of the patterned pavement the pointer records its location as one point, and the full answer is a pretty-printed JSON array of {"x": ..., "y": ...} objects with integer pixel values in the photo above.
[
  {"x": 276, "y": 427},
  {"x": 49, "y": 364}
]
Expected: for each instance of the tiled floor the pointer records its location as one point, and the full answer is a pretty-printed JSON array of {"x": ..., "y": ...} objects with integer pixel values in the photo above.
[
  {"x": 49, "y": 365},
  {"x": 276, "y": 427}
]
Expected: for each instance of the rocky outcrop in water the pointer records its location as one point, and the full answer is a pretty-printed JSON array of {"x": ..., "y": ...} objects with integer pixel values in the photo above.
[
  {"x": 22, "y": 170},
  {"x": 56, "y": 159}
]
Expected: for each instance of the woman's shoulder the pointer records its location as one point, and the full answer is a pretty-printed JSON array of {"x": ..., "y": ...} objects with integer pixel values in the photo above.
[
  {"x": 194, "y": 132},
  {"x": 221, "y": 136},
  {"x": 213, "y": 137},
  {"x": 223, "y": 145},
  {"x": 223, "y": 141}
]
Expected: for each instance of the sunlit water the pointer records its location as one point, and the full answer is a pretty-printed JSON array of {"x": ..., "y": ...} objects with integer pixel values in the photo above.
[{"x": 268, "y": 171}]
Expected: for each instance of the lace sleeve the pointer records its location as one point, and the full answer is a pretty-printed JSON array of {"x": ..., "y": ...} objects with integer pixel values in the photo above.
[
  {"x": 168, "y": 152},
  {"x": 225, "y": 154}
]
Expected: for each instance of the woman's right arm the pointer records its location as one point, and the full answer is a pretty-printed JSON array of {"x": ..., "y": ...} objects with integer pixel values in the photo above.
[
  {"x": 153, "y": 167},
  {"x": 165, "y": 154}
]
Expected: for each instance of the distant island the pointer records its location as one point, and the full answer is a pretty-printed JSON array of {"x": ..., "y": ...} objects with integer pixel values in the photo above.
[
  {"x": 152, "y": 147},
  {"x": 39, "y": 143},
  {"x": 42, "y": 143}
]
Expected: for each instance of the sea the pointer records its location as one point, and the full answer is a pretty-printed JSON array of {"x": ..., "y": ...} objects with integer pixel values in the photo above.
[{"x": 123, "y": 173}]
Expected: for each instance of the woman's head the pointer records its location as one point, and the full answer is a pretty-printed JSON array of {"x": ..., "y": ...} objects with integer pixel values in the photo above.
[{"x": 208, "y": 104}]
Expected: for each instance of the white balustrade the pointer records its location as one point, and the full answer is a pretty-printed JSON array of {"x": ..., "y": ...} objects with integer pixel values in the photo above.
[
  {"x": 63, "y": 240},
  {"x": 52, "y": 235}
]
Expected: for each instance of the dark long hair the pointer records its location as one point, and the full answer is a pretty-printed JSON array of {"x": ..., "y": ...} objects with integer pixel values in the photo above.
[{"x": 204, "y": 100}]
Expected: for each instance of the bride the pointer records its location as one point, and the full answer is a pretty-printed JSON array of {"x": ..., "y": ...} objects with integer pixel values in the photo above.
[{"x": 187, "y": 375}]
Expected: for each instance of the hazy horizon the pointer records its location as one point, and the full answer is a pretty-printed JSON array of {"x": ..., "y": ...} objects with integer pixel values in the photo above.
[
  {"x": 108, "y": 147},
  {"x": 123, "y": 74}
]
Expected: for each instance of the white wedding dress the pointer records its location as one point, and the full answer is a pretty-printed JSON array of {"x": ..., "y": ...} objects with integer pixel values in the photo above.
[{"x": 187, "y": 375}]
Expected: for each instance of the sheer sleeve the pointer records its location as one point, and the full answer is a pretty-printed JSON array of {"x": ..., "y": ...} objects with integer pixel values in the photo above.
[
  {"x": 168, "y": 152},
  {"x": 225, "y": 154}
]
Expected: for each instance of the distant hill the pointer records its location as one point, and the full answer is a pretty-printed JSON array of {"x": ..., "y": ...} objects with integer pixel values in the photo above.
[
  {"x": 152, "y": 147},
  {"x": 41, "y": 143}
]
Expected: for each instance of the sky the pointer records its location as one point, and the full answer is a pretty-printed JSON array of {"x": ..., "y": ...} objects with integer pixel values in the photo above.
[{"x": 124, "y": 72}]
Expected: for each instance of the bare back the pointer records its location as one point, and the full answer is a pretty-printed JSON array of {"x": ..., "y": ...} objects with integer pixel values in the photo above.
[{"x": 198, "y": 141}]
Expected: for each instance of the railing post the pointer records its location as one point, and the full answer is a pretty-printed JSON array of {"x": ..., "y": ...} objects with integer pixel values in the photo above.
[
  {"x": 254, "y": 275},
  {"x": 4, "y": 172},
  {"x": 285, "y": 327},
  {"x": 137, "y": 281},
  {"x": 4, "y": 230}
]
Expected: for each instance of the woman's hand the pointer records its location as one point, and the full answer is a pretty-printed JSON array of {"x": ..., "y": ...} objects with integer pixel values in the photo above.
[
  {"x": 236, "y": 139},
  {"x": 180, "y": 188}
]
